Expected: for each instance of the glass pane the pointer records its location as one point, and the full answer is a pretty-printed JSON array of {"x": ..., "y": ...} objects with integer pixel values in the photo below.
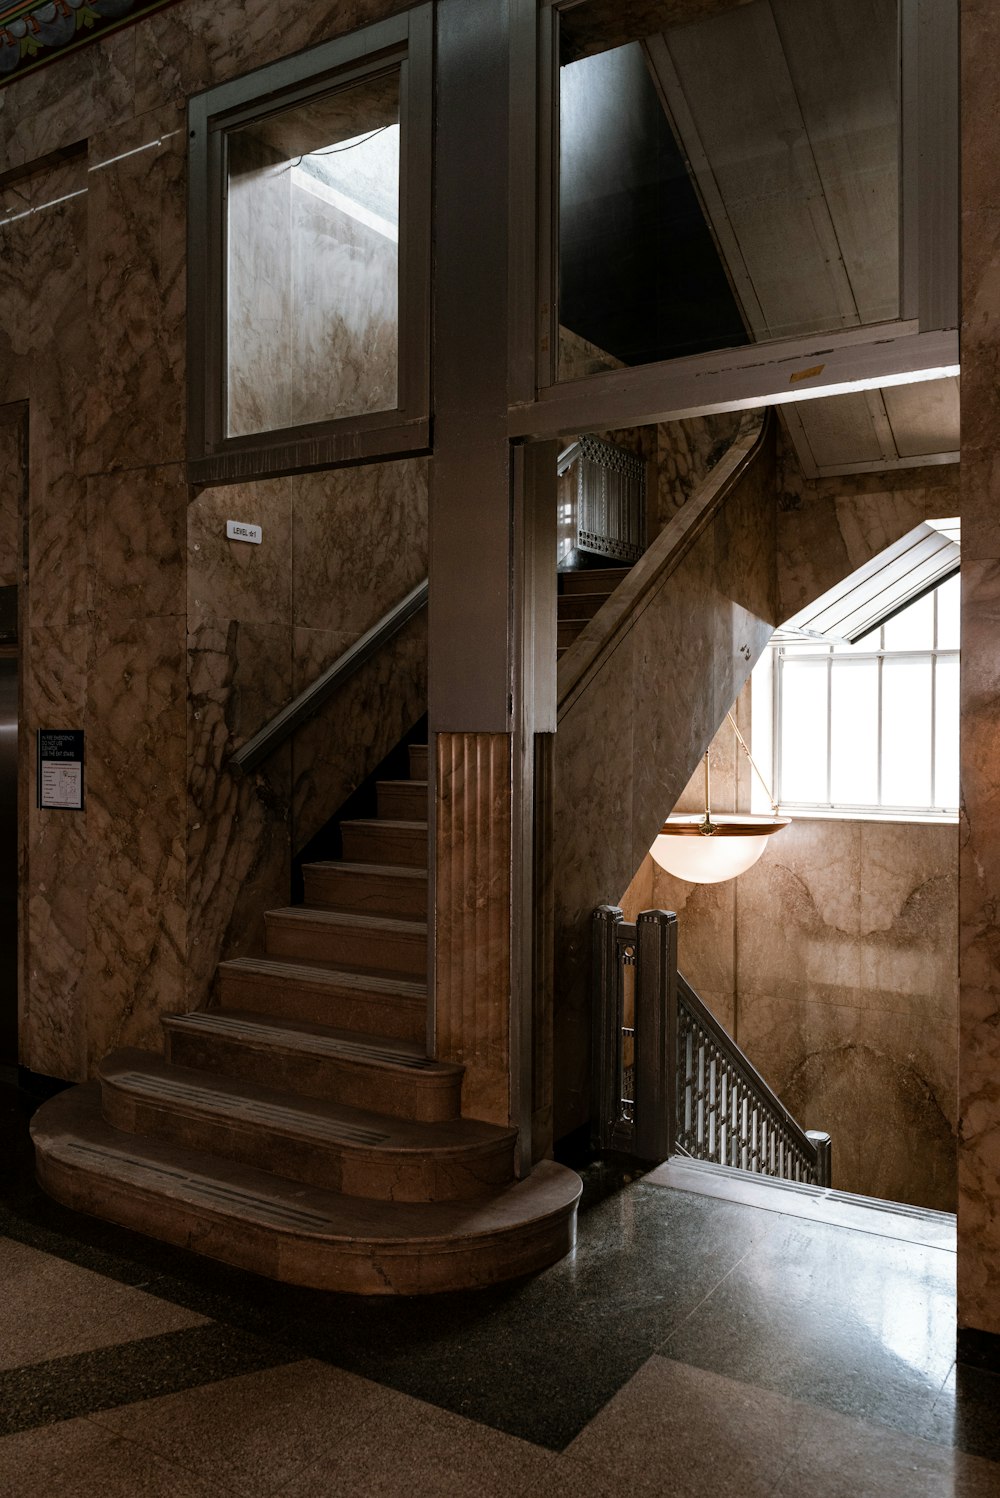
[
  {"x": 312, "y": 260},
  {"x": 949, "y": 614},
  {"x": 734, "y": 180},
  {"x": 803, "y": 731},
  {"x": 854, "y": 733},
  {"x": 913, "y": 629},
  {"x": 906, "y": 732},
  {"x": 946, "y": 734}
]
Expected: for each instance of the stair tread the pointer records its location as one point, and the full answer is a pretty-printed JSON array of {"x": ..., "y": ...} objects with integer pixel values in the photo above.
[
  {"x": 410, "y": 783},
  {"x": 386, "y": 870},
  {"x": 70, "y": 1129},
  {"x": 319, "y": 915},
  {"x": 315, "y": 971},
  {"x": 318, "y": 1121},
  {"x": 312, "y": 1039}
]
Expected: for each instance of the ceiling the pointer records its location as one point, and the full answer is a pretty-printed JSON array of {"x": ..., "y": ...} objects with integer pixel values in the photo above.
[{"x": 787, "y": 114}]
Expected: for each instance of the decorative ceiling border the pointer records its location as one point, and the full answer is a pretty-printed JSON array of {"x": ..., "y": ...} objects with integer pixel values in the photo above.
[{"x": 34, "y": 32}]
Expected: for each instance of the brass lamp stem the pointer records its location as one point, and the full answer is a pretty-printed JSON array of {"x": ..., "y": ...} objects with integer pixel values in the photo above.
[{"x": 707, "y": 827}]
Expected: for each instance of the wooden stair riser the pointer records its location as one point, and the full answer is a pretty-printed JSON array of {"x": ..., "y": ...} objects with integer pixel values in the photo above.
[
  {"x": 567, "y": 630},
  {"x": 297, "y": 1155},
  {"x": 385, "y": 842},
  {"x": 333, "y": 886},
  {"x": 343, "y": 1006},
  {"x": 418, "y": 761},
  {"x": 426, "y": 1096},
  {"x": 602, "y": 580},
  {"x": 353, "y": 946},
  {"x": 402, "y": 800}
]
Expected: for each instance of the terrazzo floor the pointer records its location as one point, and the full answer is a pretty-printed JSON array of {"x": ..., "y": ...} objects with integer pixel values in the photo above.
[{"x": 693, "y": 1345}]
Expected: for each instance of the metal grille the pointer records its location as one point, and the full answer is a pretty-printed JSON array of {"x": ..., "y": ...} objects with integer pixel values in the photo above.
[
  {"x": 722, "y": 1114},
  {"x": 611, "y": 500}
]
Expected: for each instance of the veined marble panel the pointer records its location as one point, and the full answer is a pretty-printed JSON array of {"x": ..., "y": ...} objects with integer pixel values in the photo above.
[
  {"x": 58, "y": 106},
  {"x": 239, "y": 579},
  {"x": 61, "y": 369},
  {"x": 238, "y": 851},
  {"x": 979, "y": 1069},
  {"x": 181, "y": 51},
  {"x": 136, "y": 524},
  {"x": 13, "y": 456},
  {"x": 137, "y": 224},
  {"x": 56, "y": 873},
  {"x": 136, "y": 722},
  {"x": 334, "y": 752},
  {"x": 360, "y": 538},
  {"x": 472, "y": 937}
]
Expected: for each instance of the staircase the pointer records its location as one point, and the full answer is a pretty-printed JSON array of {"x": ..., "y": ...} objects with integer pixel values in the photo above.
[
  {"x": 299, "y": 1129},
  {"x": 580, "y": 596}
]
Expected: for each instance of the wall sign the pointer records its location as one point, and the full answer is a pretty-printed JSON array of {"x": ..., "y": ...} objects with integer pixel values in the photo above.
[
  {"x": 239, "y": 530},
  {"x": 60, "y": 768}
]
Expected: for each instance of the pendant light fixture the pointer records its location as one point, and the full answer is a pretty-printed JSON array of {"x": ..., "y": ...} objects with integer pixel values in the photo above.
[{"x": 709, "y": 849}]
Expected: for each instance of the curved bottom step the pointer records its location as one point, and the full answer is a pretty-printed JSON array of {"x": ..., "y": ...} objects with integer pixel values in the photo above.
[{"x": 295, "y": 1233}]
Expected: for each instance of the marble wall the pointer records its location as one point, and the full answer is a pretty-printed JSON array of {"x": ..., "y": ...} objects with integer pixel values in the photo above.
[
  {"x": 979, "y": 1066},
  {"x": 657, "y": 698},
  {"x": 128, "y": 902},
  {"x": 834, "y": 964}
]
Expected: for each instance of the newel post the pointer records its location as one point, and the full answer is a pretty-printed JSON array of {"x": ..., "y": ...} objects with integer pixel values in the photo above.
[
  {"x": 655, "y": 1033},
  {"x": 605, "y": 1102},
  {"x": 824, "y": 1153}
]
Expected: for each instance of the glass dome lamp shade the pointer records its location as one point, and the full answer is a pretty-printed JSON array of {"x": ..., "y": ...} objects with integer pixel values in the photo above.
[
  {"x": 709, "y": 850},
  {"x": 703, "y": 850}
]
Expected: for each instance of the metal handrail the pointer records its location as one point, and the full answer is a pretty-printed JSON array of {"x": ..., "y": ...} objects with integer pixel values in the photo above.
[{"x": 309, "y": 701}]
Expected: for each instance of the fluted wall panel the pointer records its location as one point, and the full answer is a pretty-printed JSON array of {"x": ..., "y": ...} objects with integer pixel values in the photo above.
[{"x": 473, "y": 897}]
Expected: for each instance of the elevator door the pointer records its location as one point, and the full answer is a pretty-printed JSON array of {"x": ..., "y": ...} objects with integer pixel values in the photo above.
[{"x": 8, "y": 855}]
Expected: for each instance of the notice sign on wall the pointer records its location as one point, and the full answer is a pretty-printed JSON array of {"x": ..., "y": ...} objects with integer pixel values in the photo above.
[{"x": 60, "y": 768}]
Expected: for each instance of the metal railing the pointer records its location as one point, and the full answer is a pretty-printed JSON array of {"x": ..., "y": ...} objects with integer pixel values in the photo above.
[
  {"x": 668, "y": 1078},
  {"x": 309, "y": 701}
]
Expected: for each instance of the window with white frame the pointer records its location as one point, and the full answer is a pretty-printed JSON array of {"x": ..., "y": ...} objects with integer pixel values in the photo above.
[{"x": 871, "y": 728}]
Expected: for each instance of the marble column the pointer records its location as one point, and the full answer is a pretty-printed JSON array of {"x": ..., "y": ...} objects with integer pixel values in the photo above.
[{"x": 979, "y": 870}]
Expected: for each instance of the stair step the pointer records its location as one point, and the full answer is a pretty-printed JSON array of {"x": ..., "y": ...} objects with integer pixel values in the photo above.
[
  {"x": 579, "y": 606},
  {"x": 384, "y": 841},
  {"x": 418, "y": 761},
  {"x": 369, "y": 888},
  {"x": 373, "y": 1072},
  {"x": 299, "y": 1234},
  {"x": 319, "y": 1143},
  {"x": 315, "y": 993},
  {"x": 567, "y": 630},
  {"x": 347, "y": 937},
  {"x": 402, "y": 800},
  {"x": 603, "y": 580}
]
